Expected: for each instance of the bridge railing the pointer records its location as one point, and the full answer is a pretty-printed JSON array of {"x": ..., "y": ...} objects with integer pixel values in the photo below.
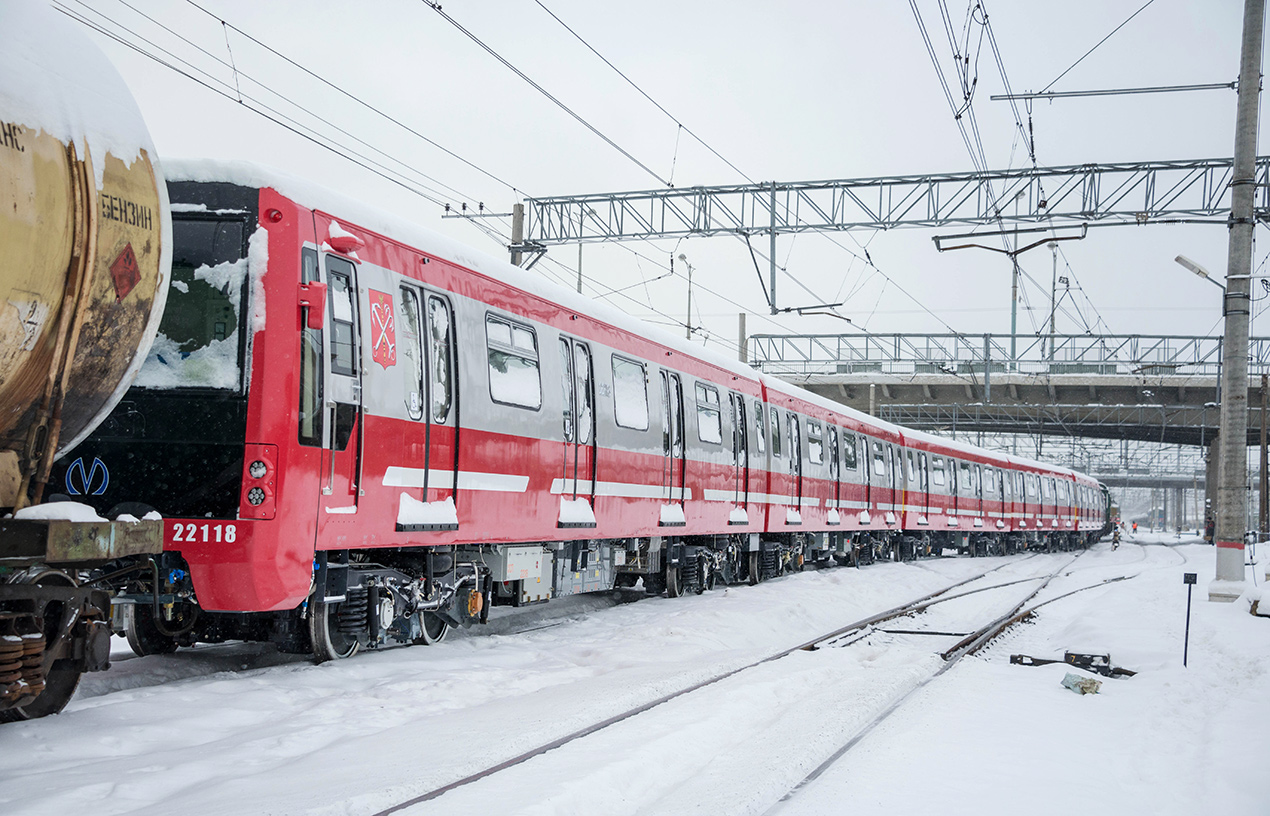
[{"x": 973, "y": 355}]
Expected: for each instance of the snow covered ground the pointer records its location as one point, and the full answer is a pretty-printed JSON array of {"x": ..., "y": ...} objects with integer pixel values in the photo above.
[{"x": 237, "y": 729}]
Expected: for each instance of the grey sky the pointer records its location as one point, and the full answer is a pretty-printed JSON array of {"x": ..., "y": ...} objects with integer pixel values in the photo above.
[{"x": 787, "y": 91}]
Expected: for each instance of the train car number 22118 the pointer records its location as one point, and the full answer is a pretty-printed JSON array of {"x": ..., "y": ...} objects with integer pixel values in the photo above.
[{"x": 190, "y": 532}]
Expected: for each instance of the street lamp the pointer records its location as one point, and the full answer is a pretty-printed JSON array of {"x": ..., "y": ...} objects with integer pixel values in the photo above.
[
  {"x": 1198, "y": 270},
  {"x": 688, "y": 316}
]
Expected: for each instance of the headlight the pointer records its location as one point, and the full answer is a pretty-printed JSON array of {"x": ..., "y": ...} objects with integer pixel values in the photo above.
[
  {"x": 258, "y": 469},
  {"x": 255, "y": 496}
]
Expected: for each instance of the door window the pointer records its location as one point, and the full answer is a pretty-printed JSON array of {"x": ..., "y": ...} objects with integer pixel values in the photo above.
[
  {"x": 343, "y": 324},
  {"x": 410, "y": 350},
  {"x": 441, "y": 355}
]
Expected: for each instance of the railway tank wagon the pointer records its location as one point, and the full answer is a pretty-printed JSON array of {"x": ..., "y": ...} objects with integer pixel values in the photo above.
[{"x": 84, "y": 229}]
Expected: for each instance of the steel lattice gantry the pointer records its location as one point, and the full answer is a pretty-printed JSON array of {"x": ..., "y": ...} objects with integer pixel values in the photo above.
[{"x": 1094, "y": 194}]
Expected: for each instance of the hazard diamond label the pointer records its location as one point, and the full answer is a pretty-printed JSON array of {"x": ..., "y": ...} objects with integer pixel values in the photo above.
[{"x": 125, "y": 272}]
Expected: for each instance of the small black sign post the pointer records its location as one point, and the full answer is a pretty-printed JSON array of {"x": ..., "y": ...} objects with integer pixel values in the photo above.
[{"x": 1188, "y": 578}]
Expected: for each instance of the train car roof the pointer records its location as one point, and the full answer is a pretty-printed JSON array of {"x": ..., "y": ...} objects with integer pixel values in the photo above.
[{"x": 395, "y": 227}]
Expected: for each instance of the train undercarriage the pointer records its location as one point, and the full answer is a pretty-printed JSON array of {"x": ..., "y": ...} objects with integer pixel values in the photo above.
[
  {"x": 56, "y": 619},
  {"x": 374, "y": 599}
]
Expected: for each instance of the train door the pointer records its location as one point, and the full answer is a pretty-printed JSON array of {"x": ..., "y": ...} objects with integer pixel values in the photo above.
[
  {"x": 425, "y": 348},
  {"x": 795, "y": 461},
  {"x": 978, "y": 477},
  {"x": 577, "y": 382},
  {"x": 760, "y": 449},
  {"x": 923, "y": 467},
  {"x": 835, "y": 469},
  {"x": 672, "y": 408},
  {"x": 342, "y": 442},
  {"x": 740, "y": 451}
]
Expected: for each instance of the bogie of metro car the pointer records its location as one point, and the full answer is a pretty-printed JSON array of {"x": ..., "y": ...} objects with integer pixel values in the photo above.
[{"x": 360, "y": 434}]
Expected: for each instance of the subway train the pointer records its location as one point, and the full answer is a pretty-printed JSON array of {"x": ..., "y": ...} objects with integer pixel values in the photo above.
[
  {"x": 249, "y": 408},
  {"x": 360, "y": 433}
]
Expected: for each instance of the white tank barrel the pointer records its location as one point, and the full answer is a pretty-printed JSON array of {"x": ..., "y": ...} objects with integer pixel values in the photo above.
[{"x": 85, "y": 233}]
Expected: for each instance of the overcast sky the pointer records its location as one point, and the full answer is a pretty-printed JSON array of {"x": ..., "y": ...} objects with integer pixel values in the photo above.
[{"x": 785, "y": 91}]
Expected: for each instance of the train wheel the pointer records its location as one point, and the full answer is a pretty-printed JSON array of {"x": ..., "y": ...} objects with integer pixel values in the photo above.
[
  {"x": 328, "y": 642},
  {"x": 60, "y": 683},
  {"x": 144, "y": 638},
  {"x": 753, "y": 565},
  {"x": 674, "y": 587},
  {"x": 433, "y": 628},
  {"x": 62, "y": 678}
]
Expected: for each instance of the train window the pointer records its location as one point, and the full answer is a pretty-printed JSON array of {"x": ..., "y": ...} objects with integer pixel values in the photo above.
[
  {"x": 776, "y": 433},
  {"x": 513, "y": 364},
  {"x": 709, "y": 415},
  {"x": 879, "y": 459},
  {"x": 310, "y": 365},
  {"x": 795, "y": 443},
  {"x": 835, "y": 471},
  {"x": 343, "y": 323},
  {"x": 815, "y": 443},
  {"x": 937, "y": 471},
  {"x": 760, "y": 434},
  {"x": 441, "y": 351},
  {"x": 912, "y": 466},
  {"x": 630, "y": 394},
  {"x": 848, "y": 451},
  {"x": 1030, "y": 482},
  {"x": 967, "y": 477},
  {"x": 198, "y": 343},
  {"x": 410, "y": 350},
  {"x": 990, "y": 483}
]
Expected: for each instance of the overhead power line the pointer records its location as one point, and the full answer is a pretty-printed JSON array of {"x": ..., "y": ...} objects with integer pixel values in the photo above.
[
  {"x": 437, "y": 8},
  {"x": 340, "y": 90},
  {"x": 1096, "y": 46}
]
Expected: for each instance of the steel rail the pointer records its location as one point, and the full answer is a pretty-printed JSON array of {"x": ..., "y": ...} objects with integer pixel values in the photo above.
[
  {"x": 968, "y": 645},
  {"x": 906, "y": 608}
]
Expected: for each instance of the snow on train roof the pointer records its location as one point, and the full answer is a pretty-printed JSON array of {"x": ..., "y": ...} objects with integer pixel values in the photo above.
[
  {"x": 358, "y": 213},
  {"x": 393, "y": 226},
  {"x": 57, "y": 81}
]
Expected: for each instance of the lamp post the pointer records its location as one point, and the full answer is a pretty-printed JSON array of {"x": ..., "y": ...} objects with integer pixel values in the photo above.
[
  {"x": 688, "y": 314},
  {"x": 1213, "y": 477}
]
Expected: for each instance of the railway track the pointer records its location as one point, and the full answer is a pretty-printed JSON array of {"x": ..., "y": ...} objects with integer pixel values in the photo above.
[{"x": 858, "y": 631}]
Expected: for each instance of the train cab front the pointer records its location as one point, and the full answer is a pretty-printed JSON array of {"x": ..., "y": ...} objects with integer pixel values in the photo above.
[{"x": 199, "y": 437}]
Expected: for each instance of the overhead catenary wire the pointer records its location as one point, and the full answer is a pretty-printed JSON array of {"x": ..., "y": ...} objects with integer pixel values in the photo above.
[
  {"x": 349, "y": 95},
  {"x": 259, "y": 107},
  {"x": 227, "y": 26},
  {"x": 1096, "y": 46},
  {"x": 576, "y": 116}
]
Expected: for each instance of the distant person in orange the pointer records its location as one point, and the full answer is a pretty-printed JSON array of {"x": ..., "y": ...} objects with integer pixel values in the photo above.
[{"x": 1135, "y": 528}]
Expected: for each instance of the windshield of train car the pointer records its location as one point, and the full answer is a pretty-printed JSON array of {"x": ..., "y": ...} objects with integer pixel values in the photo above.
[{"x": 199, "y": 342}]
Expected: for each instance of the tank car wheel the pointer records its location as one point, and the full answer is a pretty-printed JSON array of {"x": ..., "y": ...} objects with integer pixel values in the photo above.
[
  {"x": 144, "y": 638},
  {"x": 674, "y": 586},
  {"x": 754, "y": 576},
  {"x": 328, "y": 642},
  {"x": 434, "y": 629},
  {"x": 62, "y": 678},
  {"x": 60, "y": 684}
]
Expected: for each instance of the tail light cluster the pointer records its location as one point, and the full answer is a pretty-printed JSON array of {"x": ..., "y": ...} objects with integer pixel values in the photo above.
[{"x": 260, "y": 478}]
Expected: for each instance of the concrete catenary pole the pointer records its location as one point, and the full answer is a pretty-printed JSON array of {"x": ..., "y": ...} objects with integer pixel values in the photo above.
[
  {"x": 1231, "y": 491},
  {"x": 518, "y": 234}
]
